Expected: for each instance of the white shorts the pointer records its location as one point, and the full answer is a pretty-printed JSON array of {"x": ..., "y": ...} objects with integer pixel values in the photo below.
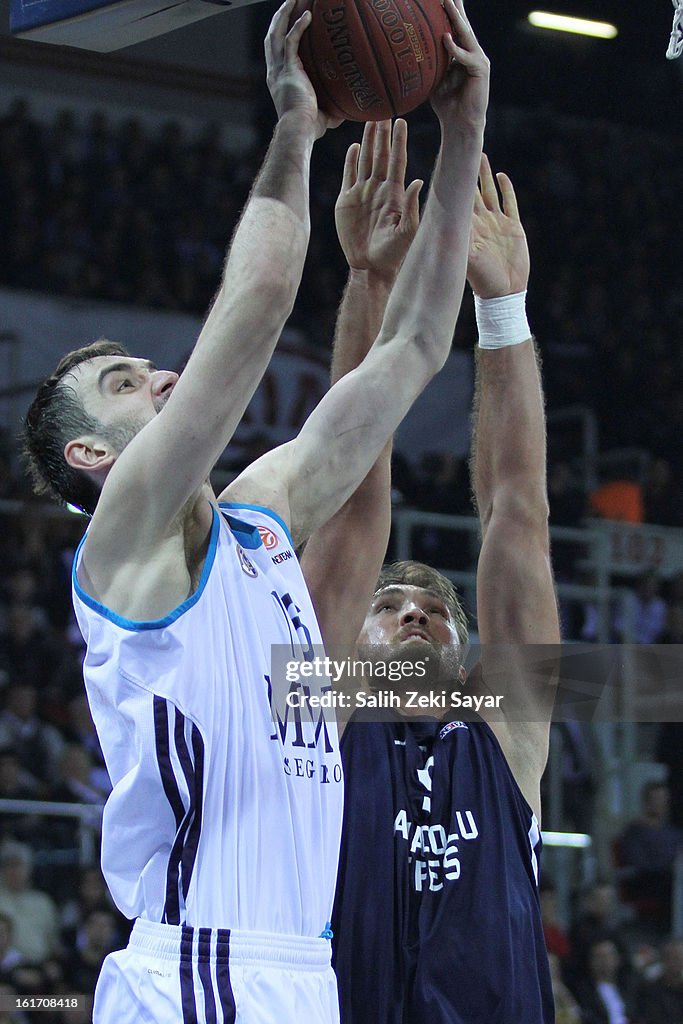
[{"x": 170, "y": 974}]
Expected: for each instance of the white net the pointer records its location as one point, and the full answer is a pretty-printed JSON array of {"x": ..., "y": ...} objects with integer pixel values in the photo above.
[{"x": 676, "y": 42}]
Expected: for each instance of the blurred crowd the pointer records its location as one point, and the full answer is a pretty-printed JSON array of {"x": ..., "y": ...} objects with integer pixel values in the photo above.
[{"x": 109, "y": 211}]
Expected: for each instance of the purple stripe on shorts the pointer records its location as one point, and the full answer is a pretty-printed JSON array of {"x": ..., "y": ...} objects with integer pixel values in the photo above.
[
  {"x": 227, "y": 999},
  {"x": 188, "y": 1004},
  {"x": 204, "y": 966}
]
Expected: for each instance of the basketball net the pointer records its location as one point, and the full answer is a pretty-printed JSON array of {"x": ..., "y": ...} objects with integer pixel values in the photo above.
[{"x": 676, "y": 41}]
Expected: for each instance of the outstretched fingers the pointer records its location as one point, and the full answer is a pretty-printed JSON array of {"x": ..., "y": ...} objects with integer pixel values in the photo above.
[
  {"x": 367, "y": 149},
  {"x": 398, "y": 155},
  {"x": 350, "y": 175},
  {"x": 411, "y": 209},
  {"x": 487, "y": 186},
  {"x": 507, "y": 190},
  {"x": 382, "y": 151}
]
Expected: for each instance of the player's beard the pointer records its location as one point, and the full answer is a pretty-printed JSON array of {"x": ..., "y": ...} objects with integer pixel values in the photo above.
[{"x": 121, "y": 434}]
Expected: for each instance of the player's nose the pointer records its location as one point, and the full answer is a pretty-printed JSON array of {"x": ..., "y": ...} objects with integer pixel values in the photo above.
[
  {"x": 413, "y": 613},
  {"x": 163, "y": 381}
]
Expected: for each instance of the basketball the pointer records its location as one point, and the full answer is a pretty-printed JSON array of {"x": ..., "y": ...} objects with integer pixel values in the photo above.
[{"x": 374, "y": 59}]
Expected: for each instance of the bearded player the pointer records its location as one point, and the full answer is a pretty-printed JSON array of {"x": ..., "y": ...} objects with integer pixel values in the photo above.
[{"x": 436, "y": 914}]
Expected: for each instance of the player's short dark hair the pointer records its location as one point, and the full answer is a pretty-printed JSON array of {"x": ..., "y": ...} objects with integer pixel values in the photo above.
[
  {"x": 417, "y": 574},
  {"x": 55, "y": 417}
]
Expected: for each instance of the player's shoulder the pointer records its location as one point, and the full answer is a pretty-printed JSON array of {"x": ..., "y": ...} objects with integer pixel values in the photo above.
[{"x": 143, "y": 576}]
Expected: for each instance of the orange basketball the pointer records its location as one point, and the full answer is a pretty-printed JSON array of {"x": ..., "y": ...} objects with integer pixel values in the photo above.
[{"x": 373, "y": 59}]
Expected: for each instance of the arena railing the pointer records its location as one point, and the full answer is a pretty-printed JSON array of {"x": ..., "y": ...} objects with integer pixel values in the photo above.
[{"x": 88, "y": 816}]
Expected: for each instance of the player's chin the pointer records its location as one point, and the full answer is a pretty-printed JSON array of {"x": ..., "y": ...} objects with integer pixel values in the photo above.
[
  {"x": 429, "y": 663},
  {"x": 414, "y": 648}
]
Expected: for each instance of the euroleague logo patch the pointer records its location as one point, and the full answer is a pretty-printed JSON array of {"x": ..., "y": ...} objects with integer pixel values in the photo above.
[
  {"x": 270, "y": 539},
  {"x": 450, "y": 727},
  {"x": 248, "y": 566}
]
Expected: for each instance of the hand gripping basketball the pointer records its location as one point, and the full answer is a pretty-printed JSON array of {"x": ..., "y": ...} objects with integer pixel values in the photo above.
[
  {"x": 288, "y": 83},
  {"x": 370, "y": 60},
  {"x": 462, "y": 97}
]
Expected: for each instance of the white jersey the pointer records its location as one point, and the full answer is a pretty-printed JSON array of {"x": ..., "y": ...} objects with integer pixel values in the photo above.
[{"x": 226, "y": 804}]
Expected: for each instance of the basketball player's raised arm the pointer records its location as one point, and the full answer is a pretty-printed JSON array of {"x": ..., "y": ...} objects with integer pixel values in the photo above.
[
  {"x": 173, "y": 454},
  {"x": 376, "y": 219},
  {"x": 310, "y": 478},
  {"x": 515, "y": 593}
]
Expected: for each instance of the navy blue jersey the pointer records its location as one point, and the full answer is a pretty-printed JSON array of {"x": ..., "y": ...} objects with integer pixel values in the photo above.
[{"x": 437, "y": 917}]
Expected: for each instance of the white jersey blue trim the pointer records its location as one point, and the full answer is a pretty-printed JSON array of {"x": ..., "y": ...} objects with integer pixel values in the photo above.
[
  {"x": 266, "y": 511},
  {"x": 135, "y": 624},
  {"x": 225, "y": 809}
]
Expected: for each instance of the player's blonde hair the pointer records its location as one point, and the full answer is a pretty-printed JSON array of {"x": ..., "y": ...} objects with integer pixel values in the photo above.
[{"x": 417, "y": 574}]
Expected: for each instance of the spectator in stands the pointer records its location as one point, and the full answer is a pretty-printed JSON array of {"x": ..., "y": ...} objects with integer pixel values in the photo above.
[
  {"x": 33, "y": 913},
  {"x": 77, "y": 781},
  {"x": 642, "y": 617},
  {"x": 603, "y": 1000},
  {"x": 47, "y": 545},
  {"x": 81, "y": 964},
  {"x": 80, "y": 729},
  {"x": 14, "y": 970},
  {"x": 15, "y": 785},
  {"x": 599, "y": 917},
  {"x": 669, "y": 751},
  {"x": 20, "y": 586},
  {"x": 67, "y": 837},
  {"x": 38, "y": 744},
  {"x": 645, "y": 853},
  {"x": 28, "y": 650},
  {"x": 567, "y": 1009},
  {"x": 661, "y": 1001},
  {"x": 91, "y": 894},
  {"x": 10, "y": 958},
  {"x": 556, "y": 938},
  {"x": 71, "y": 196}
]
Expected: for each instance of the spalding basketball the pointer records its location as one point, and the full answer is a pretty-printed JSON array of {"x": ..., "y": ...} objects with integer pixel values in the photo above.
[{"x": 373, "y": 59}]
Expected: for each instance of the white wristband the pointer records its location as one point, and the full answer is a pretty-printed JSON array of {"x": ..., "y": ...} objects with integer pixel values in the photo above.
[{"x": 502, "y": 321}]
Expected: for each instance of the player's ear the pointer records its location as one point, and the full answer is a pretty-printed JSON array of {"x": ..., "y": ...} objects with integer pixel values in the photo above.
[
  {"x": 462, "y": 675},
  {"x": 88, "y": 453}
]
